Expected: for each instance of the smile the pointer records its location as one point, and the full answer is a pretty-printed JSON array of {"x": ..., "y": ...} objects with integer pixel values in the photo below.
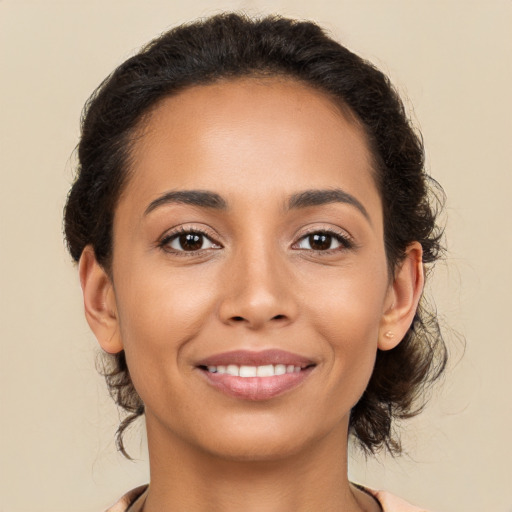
[
  {"x": 268, "y": 370},
  {"x": 255, "y": 375}
]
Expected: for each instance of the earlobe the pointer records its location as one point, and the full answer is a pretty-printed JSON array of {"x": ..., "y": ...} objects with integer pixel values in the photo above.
[
  {"x": 99, "y": 302},
  {"x": 403, "y": 298}
]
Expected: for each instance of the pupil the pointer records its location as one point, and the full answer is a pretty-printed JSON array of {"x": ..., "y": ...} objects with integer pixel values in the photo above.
[
  {"x": 191, "y": 241},
  {"x": 320, "y": 242}
]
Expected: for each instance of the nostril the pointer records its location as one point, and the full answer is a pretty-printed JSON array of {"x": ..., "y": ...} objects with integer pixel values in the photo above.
[
  {"x": 238, "y": 318},
  {"x": 279, "y": 317}
]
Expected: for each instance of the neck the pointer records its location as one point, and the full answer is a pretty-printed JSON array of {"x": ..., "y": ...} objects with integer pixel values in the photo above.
[{"x": 184, "y": 478}]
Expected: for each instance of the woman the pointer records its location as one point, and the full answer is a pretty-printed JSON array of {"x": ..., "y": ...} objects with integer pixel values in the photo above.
[{"x": 252, "y": 224}]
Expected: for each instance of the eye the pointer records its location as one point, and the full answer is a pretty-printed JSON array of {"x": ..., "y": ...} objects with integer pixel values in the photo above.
[
  {"x": 324, "y": 241},
  {"x": 188, "y": 240}
]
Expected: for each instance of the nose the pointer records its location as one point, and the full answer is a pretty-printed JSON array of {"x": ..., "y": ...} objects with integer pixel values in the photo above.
[{"x": 258, "y": 290}]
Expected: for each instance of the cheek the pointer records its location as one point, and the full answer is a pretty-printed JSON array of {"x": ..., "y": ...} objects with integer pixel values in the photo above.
[
  {"x": 159, "y": 313},
  {"x": 161, "y": 305},
  {"x": 350, "y": 300},
  {"x": 347, "y": 317},
  {"x": 351, "y": 329}
]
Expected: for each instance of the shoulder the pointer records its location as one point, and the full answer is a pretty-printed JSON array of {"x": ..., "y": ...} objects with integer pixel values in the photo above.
[
  {"x": 129, "y": 499},
  {"x": 392, "y": 503}
]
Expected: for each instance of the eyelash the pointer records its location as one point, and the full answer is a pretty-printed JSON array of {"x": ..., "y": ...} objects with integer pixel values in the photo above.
[
  {"x": 170, "y": 237},
  {"x": 345, "y": 241}
]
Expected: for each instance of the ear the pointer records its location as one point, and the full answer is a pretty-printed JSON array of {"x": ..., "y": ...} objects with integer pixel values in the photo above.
[
  {"x": 99, "y": 302},
  {"x": 402, "y": 299}
]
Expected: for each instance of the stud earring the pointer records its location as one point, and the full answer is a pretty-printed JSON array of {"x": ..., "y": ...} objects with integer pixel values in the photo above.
[{"x": 389, "y": 334}]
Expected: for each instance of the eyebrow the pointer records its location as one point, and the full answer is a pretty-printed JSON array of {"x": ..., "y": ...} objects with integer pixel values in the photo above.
[
  {"x": 304, "y": 199},
  {"x": 202, "y": 198},
  {"x": 317, "y": 197}
]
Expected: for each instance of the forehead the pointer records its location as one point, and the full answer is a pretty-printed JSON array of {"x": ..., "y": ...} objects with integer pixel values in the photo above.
[{"x": 251, "y": 137}]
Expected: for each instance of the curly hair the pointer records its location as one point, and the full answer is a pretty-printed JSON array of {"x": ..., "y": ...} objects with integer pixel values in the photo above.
[{"x": 229, "y": 46}]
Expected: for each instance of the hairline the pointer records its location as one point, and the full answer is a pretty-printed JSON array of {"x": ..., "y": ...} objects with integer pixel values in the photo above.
[{"x": 135, "y": 135}]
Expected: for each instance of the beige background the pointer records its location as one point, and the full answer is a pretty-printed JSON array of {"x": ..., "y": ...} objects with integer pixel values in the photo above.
[{"x": 451, "y": 60}]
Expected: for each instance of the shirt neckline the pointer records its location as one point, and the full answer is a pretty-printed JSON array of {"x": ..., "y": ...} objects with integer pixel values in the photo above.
[{"x": 139, "y": 499}]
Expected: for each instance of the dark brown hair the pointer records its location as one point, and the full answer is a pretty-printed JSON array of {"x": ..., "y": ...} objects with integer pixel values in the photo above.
[{"x": 230, "y": 46}]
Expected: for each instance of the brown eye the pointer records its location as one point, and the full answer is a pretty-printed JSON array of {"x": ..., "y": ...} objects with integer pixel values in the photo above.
[
  {"x": 320, "y": 241},
  {"x": 323, "y": 241},
  {"x": 189, "y": 241}
]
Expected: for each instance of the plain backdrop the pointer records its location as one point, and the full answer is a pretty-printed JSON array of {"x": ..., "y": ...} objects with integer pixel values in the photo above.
[{"x": 451, "y": 60}]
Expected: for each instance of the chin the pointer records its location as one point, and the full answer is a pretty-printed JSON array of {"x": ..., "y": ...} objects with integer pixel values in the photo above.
[
  {"x": 262, "y": 441},
  {"x": 256, "y": 449}
]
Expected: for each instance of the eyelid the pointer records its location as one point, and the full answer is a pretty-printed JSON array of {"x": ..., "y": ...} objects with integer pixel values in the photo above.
[
  {"x": 173, "y": 233},
  {"x": 344, "y": 238}
]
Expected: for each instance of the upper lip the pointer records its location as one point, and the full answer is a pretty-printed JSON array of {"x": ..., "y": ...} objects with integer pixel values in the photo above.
[{"x": 260, "y": 358}]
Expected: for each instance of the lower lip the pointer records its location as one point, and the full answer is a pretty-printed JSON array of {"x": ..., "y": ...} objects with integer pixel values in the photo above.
[{"x": 256, "y": 388}]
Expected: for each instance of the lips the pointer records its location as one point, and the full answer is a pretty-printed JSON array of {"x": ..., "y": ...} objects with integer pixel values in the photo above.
[
  {"x": 255, "y": 375},
  {"x": 262, "y": 358}
]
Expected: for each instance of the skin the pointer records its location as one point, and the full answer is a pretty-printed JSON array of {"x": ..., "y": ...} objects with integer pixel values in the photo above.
[{"x": 255, "y": 284}]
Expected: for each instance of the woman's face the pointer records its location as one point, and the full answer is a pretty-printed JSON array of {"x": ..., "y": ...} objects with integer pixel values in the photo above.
[{"x": 250, "y": 234}]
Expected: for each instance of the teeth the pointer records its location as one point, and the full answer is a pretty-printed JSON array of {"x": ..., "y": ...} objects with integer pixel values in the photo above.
[
  {"x": 280, "y": 369},
  {"x": 233, "y": 369},
  {"x": 265, "y": 371},
  {"x": 268, "y": 370},
  {"x": 248, "y": 371}
]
